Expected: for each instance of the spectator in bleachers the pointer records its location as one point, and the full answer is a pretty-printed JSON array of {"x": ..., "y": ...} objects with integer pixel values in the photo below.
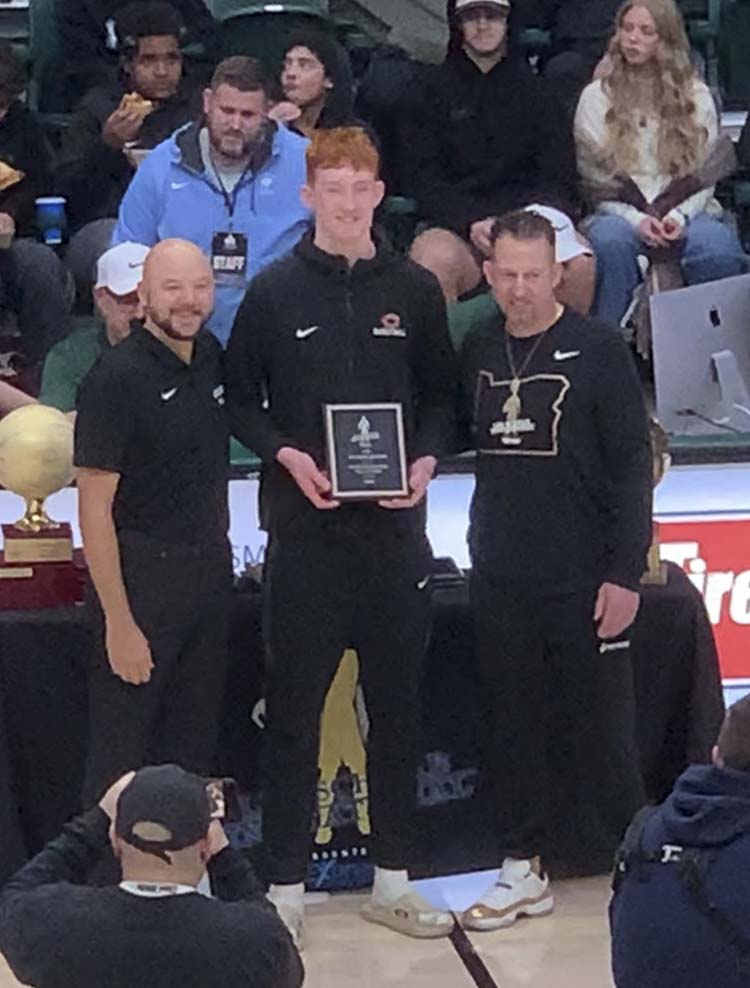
[
  {"x": 149, "y": 101},
  {"x": 318, "y": 85},
  {"x": 642, "y": 132},
  {"x": 119, "y": 273},
  {"x": 386, "y": 101},
  {"x": 488, "y": 137},
  {"x": 90, "y": 36},
  {"x": 581, "y": 30},
  {"x": 231, "y": 186},
  {"x": 95, "y": 170},
  {"x": 32, "y": 280},
  {"x": 681, "y": 910}
]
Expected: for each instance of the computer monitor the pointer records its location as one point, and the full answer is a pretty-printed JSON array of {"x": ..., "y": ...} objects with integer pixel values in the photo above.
[{"x": 701, "y": 347}]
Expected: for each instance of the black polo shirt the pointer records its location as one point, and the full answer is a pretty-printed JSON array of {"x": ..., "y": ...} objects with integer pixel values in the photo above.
[{"x": 162, "y": 425}]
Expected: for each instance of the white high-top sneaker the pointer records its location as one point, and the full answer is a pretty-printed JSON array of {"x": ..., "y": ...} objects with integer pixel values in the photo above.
[
  {"x": 521, "y": 889},
  {"x": 290, "y": 908}
]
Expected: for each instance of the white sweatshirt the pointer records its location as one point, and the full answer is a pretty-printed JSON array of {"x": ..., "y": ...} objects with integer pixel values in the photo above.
[{"x": 590, "y": 127}]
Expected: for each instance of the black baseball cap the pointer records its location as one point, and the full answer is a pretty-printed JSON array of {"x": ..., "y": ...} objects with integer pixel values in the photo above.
[{"x": 163, "y": 808}]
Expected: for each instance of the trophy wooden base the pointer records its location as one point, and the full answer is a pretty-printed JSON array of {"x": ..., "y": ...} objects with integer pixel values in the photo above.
[
  {"x": 51, "y": 545},
  {"x": 34, "y": 586}
]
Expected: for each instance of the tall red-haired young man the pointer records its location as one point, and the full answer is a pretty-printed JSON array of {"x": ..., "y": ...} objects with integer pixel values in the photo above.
[{"x": 342, "y": 319}]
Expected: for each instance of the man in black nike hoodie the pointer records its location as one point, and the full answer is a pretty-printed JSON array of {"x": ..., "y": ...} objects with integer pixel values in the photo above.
[
  {"x": 681, "y": 911},
  {"x": 488, "y": 137},
  {"x": 342, "y": 320},
  {"x": 559, "y": 530}
]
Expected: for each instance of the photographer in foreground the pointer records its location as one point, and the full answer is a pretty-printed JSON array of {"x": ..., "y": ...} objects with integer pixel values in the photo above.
[{"x": 154, "y": 927}]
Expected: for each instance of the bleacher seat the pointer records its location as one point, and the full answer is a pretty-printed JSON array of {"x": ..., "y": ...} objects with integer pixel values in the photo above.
[
  {"x": 263, "y": 30},
  {"x": 734, "y": 46},
  {"x": 14, "y": 22},
  {"x": 703, "y": 20},
  {"x": 45, "y": 53}
]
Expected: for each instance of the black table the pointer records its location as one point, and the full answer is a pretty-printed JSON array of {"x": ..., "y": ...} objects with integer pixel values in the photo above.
[{"x": 43, "y": 715}]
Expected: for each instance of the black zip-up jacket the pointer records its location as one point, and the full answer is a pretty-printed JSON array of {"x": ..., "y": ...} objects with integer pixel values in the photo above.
[
  {"x": 58, "y": 932},
  {"x": 93, "y": 176},
  {"x": 483, "y": 144},
  {"x": 310, "y": 331},
  {"x": 24, "y": 147},
  {"x": 563, "y": 497}
]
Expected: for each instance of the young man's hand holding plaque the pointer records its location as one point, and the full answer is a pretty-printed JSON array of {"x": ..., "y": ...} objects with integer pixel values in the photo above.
[{"x": 311, "y": 481}]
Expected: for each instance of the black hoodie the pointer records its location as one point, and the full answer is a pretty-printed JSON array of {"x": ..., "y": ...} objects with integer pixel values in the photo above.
[
  {"x": 578, "y": 20},
  {"x": 93, "y": 176},
  {"x": 310, "y": 331},
  {"x": 485, "y": 143},
  {"x": 339, "y": 106},
  {"x": 24, "y": 147}
]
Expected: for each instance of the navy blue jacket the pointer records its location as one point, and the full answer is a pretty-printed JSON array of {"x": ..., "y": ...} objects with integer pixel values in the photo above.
[{"x": 660, "y": 939}]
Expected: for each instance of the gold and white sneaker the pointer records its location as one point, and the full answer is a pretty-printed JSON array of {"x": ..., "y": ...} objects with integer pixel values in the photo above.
[{"x": 522, "y": 889}]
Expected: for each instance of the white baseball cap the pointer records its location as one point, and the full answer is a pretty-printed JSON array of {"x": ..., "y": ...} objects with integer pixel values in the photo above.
[
  {"x": 462, "y": 5},
  {"x": 567, "y": 244},
  {"x": 120, "y": 269}
]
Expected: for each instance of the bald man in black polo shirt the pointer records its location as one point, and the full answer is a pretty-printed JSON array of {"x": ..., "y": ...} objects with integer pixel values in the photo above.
[{"x": 152, "y": 452}]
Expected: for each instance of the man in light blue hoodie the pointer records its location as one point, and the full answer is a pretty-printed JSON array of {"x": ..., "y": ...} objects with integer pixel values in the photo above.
[
  {"x": 229, "y": 184},
  {"x": 680, "y": 915}
]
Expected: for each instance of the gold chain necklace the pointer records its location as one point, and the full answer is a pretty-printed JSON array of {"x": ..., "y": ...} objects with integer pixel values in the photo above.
[{"x": 512, "y": 407}]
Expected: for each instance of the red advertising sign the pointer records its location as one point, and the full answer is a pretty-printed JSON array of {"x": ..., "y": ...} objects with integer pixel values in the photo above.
[{"x": 716, "y": 557}]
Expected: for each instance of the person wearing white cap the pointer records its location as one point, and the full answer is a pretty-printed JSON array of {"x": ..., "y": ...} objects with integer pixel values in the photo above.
[
  {"x": 118, "y": 275},
  {"x": 489, "y": 137},
  {"x": 574, "y": 253}
]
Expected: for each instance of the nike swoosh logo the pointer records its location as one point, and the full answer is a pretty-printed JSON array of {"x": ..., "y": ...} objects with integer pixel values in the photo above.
[
  {"x": 566, "y": 354},
  {"x": 179, "y": 185},
  {"x": 166, "y": 395},
  {"x": 302, "y": 334},
  {"x": 133, "y": 265}
]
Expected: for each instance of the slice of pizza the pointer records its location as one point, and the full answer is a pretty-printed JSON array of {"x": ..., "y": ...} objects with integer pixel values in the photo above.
[
  {"x": 134, "y": 101},
  {"x": 9, "y": 176}
]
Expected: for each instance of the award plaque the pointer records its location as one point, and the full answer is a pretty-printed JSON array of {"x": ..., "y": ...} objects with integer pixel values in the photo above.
[{"x": 366, "y": 451}]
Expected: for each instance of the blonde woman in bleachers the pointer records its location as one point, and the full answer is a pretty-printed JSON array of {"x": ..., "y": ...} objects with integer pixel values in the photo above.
[{"x": 646, "y": 127}]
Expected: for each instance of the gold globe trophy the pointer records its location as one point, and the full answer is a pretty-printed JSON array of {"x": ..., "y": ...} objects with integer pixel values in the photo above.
[
  {"x": 656, "y": 574},
  {"x": 36, "y": 460}
]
